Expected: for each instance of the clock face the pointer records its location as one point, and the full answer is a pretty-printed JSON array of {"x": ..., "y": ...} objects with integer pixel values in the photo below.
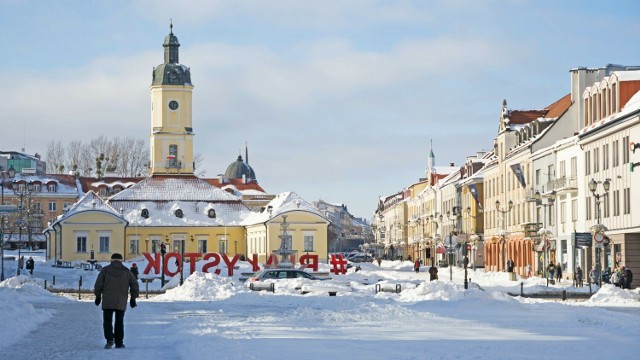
[{"x": 173, "y": 105}]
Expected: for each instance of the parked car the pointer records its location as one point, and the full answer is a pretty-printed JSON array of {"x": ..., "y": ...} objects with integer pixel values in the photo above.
[
  {"x": 279, "y": 274},
  {"x": 361, "y": 257}
]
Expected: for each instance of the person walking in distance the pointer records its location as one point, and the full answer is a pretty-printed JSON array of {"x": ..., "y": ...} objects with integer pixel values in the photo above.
[
  {"x": 30, "y": 265},
  {"x": 134, "y": 270},
  {"x": 114, "y": 283}
]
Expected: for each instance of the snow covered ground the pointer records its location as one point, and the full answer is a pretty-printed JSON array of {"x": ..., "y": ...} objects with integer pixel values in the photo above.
[{"x": 218, "y": 317}]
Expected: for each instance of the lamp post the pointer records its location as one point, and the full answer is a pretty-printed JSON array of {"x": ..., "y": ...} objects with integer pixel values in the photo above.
[
  {"x": 4, "y": 220},
  {"x": 453, "y": 216},
  {"x": 545, "y": 233},
  {"x": 4, "y": 176},
  {"x": 20, "y": 224},
  {"x": 599, "y": 229},
  {"x": 181, "y": 261},
  {"x": 503, "y": 231}
]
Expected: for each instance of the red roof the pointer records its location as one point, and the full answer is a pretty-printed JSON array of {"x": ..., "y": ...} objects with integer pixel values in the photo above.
[{"x": 237, "y": 183}]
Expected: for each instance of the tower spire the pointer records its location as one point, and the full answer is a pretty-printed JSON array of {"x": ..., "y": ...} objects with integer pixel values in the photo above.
[{"x": 246, "y": 152}]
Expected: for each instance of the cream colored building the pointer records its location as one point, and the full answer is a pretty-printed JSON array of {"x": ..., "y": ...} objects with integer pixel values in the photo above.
[{"x": 174, "y": 207}]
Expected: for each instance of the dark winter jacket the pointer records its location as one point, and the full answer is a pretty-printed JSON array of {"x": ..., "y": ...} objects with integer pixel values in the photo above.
[{"x": 113, "y": 284}]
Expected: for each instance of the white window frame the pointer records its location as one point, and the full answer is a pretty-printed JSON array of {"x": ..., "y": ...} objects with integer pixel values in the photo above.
[
  {"x": 308, "y": 240},
  {"x": 81, "y": 236},
  {"x": 134, "y": 245},
  {"x": 104, "y": 241}
]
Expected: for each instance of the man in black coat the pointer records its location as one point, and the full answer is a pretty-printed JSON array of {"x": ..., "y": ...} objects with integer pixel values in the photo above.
[{"x": 114, "y": 282}]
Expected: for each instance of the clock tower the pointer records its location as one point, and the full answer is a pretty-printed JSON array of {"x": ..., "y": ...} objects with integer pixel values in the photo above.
[{"x": 171, "y": 139}]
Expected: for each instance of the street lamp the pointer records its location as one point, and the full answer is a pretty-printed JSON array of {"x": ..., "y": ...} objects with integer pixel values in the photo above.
[
  {"x": 453, "y": 216},
  {"x": 4, "y": 221},
  {"x": 503, "y": 231},
  {"x": 599, "y": 229},
  {"x": 4, "y": 176},
  {"x": 21, "y": 224},
  {"x": 544, "y": 233}
]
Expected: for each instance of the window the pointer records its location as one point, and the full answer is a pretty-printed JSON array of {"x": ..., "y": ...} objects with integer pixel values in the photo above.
[
  {"x": 52, "y": 187},
  {"x": 625, "y": 149},
  {"x": 563, "y": 210},
  {"x": 177, "y": 246},
  {"x": 308, "y": 241},
  {"x": 605, "y": 205},
  {"x": 155, "y": 245},
  {"x": 563, "y": 169},
  {"x": 550, "y": 220},
  {"x": 202, "y": 246},
  {"x": 222, "y": 245},
  {"x": 596, "y": 159},
  {"x": 102, "y": 192},
  {"x": 574, "y": 167},
  {"x": 173, "y": 155},
  {"x": 615, "y": 153},
  {"x": 605, "y": 156},
  {"x": 550, "y": 173},
  {"x": 616, "y": 202},
  {"x": 104, "y": 243},
  {"x": 52, "y": 206},
  {"x": 574, "y": 210},
  {"x": 537, "y": 177},
  {"x": 134, "y": 246},
  {"x": 81, "y": 243},
  {"x": 587, "y": 162},
  {"x": 588, "y": 208},
  {"x": 626, "y": 198},
  {"x": 37, "y": 187}
]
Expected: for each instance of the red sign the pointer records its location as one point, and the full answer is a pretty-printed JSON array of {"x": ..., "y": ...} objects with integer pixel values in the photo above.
[{"x": 213, "y": 260}]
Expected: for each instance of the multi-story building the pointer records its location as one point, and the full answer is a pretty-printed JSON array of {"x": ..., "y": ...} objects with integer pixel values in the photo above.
[{"x": 611, "y": 120}]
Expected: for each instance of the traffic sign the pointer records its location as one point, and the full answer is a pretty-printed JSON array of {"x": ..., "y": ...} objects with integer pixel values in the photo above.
[{"x": 582, "y": 239}]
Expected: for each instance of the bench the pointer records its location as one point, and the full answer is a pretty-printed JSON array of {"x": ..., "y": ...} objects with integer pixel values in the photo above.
[
  {"x": 394, "y": 288},
  {"x": 64, "y": 264}
]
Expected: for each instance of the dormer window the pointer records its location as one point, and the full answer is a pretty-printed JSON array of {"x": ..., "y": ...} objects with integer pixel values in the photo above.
[
  {"x": 52, "y": 187},
  {"x": 102, "y": 192},
  {"x": 37, "y": 187}
]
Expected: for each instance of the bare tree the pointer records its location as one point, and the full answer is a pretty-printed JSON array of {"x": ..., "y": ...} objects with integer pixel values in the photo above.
[
  {"x": 56, "y": 158},
  {"x": 198, "y": 158},
  {"x": 101, "y": 156}
]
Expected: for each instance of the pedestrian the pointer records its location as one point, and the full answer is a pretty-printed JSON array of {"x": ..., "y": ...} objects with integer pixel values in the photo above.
[
  {"x": 627, "y": 278},
  {"x": 379, "y": 261},
  {"x": 616, "y": 277},
  {"x": 134, "y": 270},
  {"x": 21, "y": 262},
  {"x": 115, "y": 281},
  {"x": 579, "y": 277},
  {"x": 510, "y": 265},
  {"x": 606, "y": 275},
  {"x": 433, "y": 273},
  {"x": 551, "y": 269},
  {"x": 559, "y": 272},
  {"x": 30, "y": 265},
  {"x": 528, "y": 269},
  {"x": 594, "y": 275},
  {"x": 416, "y": 266}
]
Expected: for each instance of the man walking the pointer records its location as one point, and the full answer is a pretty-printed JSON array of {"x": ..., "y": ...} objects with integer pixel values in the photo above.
[{"x": 115, "y": 281}]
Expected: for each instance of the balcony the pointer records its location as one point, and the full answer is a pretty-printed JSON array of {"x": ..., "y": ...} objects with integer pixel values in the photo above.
[
  {"x": 173, "y": 164},
  {"x": 563, "y": 184}
]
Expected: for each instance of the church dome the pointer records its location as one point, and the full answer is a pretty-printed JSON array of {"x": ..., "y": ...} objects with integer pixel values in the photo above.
[
  {"x": 239, "y": 168},
  {"x": 171, "y": 72}
]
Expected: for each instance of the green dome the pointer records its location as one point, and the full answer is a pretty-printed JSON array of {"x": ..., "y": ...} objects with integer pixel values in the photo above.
[
  {"x": 171, "y": 72},
  {"x": 239, "y": 168}
]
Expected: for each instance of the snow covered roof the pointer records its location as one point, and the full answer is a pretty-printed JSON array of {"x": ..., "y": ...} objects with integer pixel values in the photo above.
[
  {"x": 173, "y": 188},
  {"x": 631, "y": 106},
  {"x": 90, "y": 201},
  {"x": 190, "y": 214},
  {"x": 283, "y": 203},
  {"x": 65, "y": 184}
]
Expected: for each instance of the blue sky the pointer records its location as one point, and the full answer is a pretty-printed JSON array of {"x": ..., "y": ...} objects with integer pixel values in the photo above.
[{"x": 338, "y": 100}]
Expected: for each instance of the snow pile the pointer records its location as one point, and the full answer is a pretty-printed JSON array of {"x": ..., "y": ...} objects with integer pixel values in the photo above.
[
  {"x": 199, "y": 287},
  {"x": 611, "y": 295},
  {"x": 29, "y": 288},
  {"x": 15, "y": 294},
  {"x": 445, "y": 291}
]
